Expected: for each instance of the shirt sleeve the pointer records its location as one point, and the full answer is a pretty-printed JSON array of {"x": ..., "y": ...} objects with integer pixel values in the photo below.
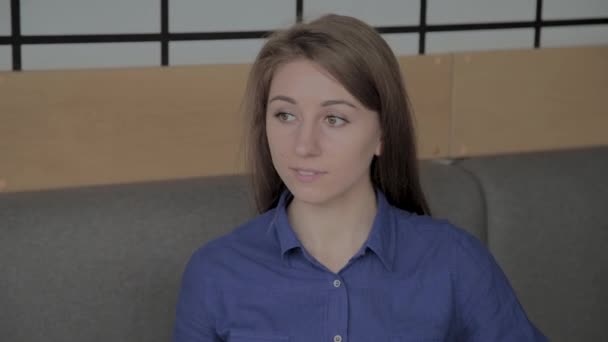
[
  {"x": 488, "y": 306},
  {"x": 193, "y": 321}
]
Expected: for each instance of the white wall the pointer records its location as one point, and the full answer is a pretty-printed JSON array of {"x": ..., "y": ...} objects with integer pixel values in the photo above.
[{"x": 92, "y": 17}]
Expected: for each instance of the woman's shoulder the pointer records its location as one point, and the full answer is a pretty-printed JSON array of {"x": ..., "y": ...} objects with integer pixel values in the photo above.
[
  {"x": 455, "y": 243},
  {"x": 235, "y": 242},
  {"x": 430, "y": 226}
]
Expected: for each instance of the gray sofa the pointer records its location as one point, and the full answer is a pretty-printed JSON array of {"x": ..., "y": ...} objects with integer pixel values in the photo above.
[{"x": 103, "y": 263}]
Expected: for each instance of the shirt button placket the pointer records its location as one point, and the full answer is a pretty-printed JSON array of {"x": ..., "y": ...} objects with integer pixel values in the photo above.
[{"x": 338, "y": 311}]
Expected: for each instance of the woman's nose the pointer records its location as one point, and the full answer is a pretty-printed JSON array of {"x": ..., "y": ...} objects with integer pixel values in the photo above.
[{"x": 307, "y": 140}]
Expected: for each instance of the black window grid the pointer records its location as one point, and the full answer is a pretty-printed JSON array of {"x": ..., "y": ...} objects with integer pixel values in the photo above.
[{"x": 164, "y": 37}]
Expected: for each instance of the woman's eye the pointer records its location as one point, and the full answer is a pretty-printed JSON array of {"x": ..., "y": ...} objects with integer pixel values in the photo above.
[
  {"x": 335, "y": 121},
  {"x": 285, "y": 116}
]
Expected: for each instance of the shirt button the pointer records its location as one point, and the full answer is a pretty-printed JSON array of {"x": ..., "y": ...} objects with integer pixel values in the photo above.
[
  {"x": 337, "y": 283},
  {"x": 337, "y": 338}
]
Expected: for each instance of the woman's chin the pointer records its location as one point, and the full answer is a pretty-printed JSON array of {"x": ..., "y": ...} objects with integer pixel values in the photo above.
[{"x": 309, "y": 194}]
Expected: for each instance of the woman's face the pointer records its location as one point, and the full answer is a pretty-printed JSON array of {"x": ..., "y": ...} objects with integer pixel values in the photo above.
[{"x": 322, "y": 140}]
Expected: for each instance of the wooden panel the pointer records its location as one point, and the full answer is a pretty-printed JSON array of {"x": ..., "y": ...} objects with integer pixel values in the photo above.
[
  {"x": 519, "y": 101},
  {"x": 429, "y": 84},
  {"x": 70, "y": 128}
]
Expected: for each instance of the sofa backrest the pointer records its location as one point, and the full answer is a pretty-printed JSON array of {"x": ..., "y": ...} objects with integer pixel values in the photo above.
[
  {"x": 547, "y": 225},
  {"x": 104, "y": 263}
]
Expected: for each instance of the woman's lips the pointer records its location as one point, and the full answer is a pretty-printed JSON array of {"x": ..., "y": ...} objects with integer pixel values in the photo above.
[{"x": 307, "y": 175}]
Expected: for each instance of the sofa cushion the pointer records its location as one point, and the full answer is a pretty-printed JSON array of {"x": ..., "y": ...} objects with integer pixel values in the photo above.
[
  {"x": 104, "y": 263},
  {"x": 454, "y": 194},
  {"x": 548, "y": 228}
]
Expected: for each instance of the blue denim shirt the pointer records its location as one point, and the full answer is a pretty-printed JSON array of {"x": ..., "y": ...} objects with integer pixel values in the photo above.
[{"x": 414, "y": 279}]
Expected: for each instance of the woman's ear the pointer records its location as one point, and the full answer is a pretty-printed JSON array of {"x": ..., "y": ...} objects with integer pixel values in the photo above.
[{"x": 378, "y": 148}]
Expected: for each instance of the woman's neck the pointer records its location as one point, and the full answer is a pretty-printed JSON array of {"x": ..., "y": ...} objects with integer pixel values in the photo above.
[{"x": 335, "y": 230}]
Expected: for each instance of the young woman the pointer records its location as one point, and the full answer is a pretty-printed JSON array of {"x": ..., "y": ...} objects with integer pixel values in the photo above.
[{"x": 344, "y": 248}]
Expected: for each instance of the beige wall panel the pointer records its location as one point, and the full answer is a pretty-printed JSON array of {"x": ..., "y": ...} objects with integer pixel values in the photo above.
[
  {"x": 85, "y": 127},
  {"x": 70, "y": 128},
  {"x": 528, "y": 100},
  {"x": 428, "y": 81}
]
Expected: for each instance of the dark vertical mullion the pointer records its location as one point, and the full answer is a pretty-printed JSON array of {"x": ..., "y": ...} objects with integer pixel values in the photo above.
[
  {"x": 164, "y": 32},
  {"x": 16, "y": 33},
  {"x": 538, "y": 23},
  {"x": 299, "y": 9},
  {"x": 422, "y": 41}
]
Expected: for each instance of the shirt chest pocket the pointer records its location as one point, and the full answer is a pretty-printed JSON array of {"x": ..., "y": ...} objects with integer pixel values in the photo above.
[{"x": 244, "y": 336}]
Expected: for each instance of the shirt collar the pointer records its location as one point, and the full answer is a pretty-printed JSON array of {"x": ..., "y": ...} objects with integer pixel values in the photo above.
[
  {"x": 284, "y": 232},
  {"x": 381, "y": 240}
]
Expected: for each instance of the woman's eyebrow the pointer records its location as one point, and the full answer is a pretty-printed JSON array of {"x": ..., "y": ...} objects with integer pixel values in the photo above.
[
  {"x": 335, "y": 102},
  {"x": 283, "y": 98},
  {"x": 324, "y": 103}
]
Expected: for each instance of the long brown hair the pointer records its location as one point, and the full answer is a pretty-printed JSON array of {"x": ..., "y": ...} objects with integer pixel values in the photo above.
[{"x": 357, "y": 56}]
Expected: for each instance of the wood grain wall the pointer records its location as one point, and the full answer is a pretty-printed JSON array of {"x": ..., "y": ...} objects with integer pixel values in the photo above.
[{"x": 86, "y": 127}]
